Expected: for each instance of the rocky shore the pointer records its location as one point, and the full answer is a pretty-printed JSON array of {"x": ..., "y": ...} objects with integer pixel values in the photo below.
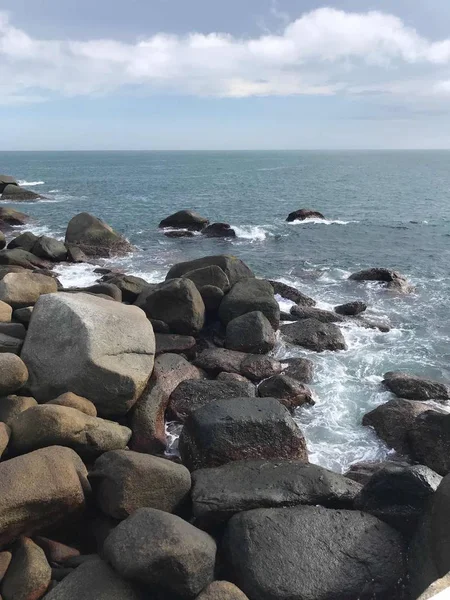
[{"x": 93, "y": 506}]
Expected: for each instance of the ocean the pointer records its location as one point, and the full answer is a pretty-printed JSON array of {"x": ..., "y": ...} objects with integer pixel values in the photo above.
[{"x": 383, "y": 208}]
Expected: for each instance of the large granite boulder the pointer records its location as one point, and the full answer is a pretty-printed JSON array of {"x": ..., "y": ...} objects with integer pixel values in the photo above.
[
  {"x": 24, "y": 289},
  {"x": 16, "y": 193},
  {"x": 6, "y": 180},
  {"x": 249, "y": 295},
  {"x": 17, "y": 257},
  {"x": 40, "y": 489},
  {"x": 251, "y": 333},
  {"x": 130, "y": 286},
  {"x": 314, "y": 335},
  {"x": 237, "y": 429},
  {"x": 162, "y": 552},
  {"x": 13, "y": 373},
  {"x": 5, "y": 312},
  {"x": 185, "y": 219},
  {"x": 412, "y": 387},
  {"x": 392, "y": 280},
  {"x": 29, "y": 574},
  {"x": 74, "y": 401},
  {"x": 94, "y": 237},
  {"x": 234, "y": 268},
  {"x": 11, "y": 406},
  {"x": 304, "y": 213},
  {"x": 429, "y": 440},
  {"x": 25, "y": 240},
  {"x": 311, "y": 552},
  {"x": 212, "y": 275},
  {"x": 291, "y": 293},
  {"x": 219, "y": 493},
  {"x": 98, "y": 349},
  {"x": 10, "y": 217},
  {"x": 252, "y": 366},
  {"x": 50, "y": 249}
]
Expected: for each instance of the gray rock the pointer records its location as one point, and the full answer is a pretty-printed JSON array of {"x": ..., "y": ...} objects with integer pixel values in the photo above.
[
  {"x": 5, "y": 312},
  {"x": 301, "y": 369},
  {"x": 217, "y": 360},
  {"x": 50, "y": 249},
  {"x": 210, "y": 275},
  {"x": 234, "y": 268},
  {"x": 179, "y": 233},
  {"x": 6, "y": 180},
  {"x": 257, "y": 367},
  {"x": 412, "y": 387},
  {"x": 16, "y": 193},
  {"x": 250, "y": 295},
  {"x": 16, "y": 330},
  {"x": 351, "y": 309},
  {"x": 161, "y": 327},
  {"x": 363, "y": 471},
  {"x": 429, "y": 440},
  {"x": 307, "y": 312},
  {"x": 251, "y": 333},
  {"x": 219, "y": 230},
  {"x": 94, "y": 237},
  {"x": 75, "y": 254},
  {"x": 21, "y": 258},
  {"x": 314, "y": 335},
  {"x": 5, "y": 434},
  {"x": 9, "y": 217},
  {"x": 20, "y": 290},
  {"x": 185, "y": 219},
  {"x": 288, "y": 391},
  {"x": 23, "y": 315},
  {"x": 101, "y": 289},
  {"x": 129, "y": 285},
  {"x": 392, "y": 280},
  {"x": 304, "y": 213},
  {"x": 174, "y": 344},
  {"x": 291, "y": 293},
  {"x": 25, "y": 240},
  {"x": 212, "y": 296},
  {"x": 10, "y": 345},
  {"x": 13, "y": 373},
  {"x": 440, "y": 585}
]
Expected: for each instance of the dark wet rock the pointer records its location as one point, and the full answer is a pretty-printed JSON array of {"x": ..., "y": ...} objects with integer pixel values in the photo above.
[
  {"x": 284, "y": 316},
  {"x": 232, "y": 377},
  {"x": 234, "y": 268},
  {"x": 20, "y": 290},
  {"x": 124, "y": 481},
  {"x": 129, "y": 285},
  {"x": 301, "y": 369},
  {"x": 412, "y": 387},
  {"x": 212, "y": 296},
  {"x": 363, "y": 471},
  {"x": 23, "y": 315},
  {"x": 95, "y": 237},
  {"x": 219, "y": 493},
  {"x": 288, "y": 391},
  {"x": 146, "y": 292},
  {"x": 257, "y": 367},
  {"x": 312, "y": 552},
  {"x": 219, "y": 230},
  {"x": 10, "y": 217},
  {"x": 16, "y": 193},
  {"x": 13, "y": 373},
  {"x": 25, "y": 240},
  {"x": 162, "y": 552},
  {"x": 28, "y": 575},
  {"x": 191, "y": 395},
  {"x": 251, "y": 333},
  {"x": 210, "y": 275},
  {"x": 75, "y": 254},
  {"x": 50, "y": 248},
  {"x": 304, "y": 213},
  {"x": 351, "y": 309},
  {"x": 314, "y": 335},
  {"x": 147, "y": 418},
  {"x": 291, "y": 293},
  {"x": 174, "y": 344},
  {"x": 222, "y": 590},
  {"x": 324, "y": 316},
  {"x": 237, "y": 429},
  {"x": 179, "y": 233},
  {"x": 398, "y": 495},
  {"x": 250, "y": 295},
  {"x": 5, "y": 561},
  {"x": 22, "y": 258},
  {"x": 159, "y": 326},
  {"x": 16, "y": 330},
  {"x": 179, "y": 304},
  {"x": 6, "y": 180},
  {"x": 185, "y": 219},
  {"x": 392, "y": 280},
  {"x": 429, "y": 439},
  {"x": 10, "y": 344},
  {"x": 251, "y": 366}
]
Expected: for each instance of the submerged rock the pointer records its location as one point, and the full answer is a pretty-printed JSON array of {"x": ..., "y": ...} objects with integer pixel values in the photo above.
[
  {"x": 412, "y": 387},
  {"x": 304, "y": 213},
  {"x": 219, "y": 230},
  {"x": 185, "y": 219},
  {"x": 179, "y": 233},
  {"x": 351, "y": 309},
  {"x": 314, "y": 335},
  {"x": 94, "y": 237}
]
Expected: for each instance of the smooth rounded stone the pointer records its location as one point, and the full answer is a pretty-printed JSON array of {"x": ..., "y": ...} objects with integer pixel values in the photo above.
[
  {"x": 301, "y": 369},
  {"x": 250, "y": 295},
  {"x": 94, "y": 237},
  {"x": 232, "y": 377},
  {"x": 179, "y": 304},
  {"x": 5, "y": 561},
  {"x": 219, "y": 230},
  {"x": 9, "y": 217},
  {"x": 159, "y": 326},
  {"x": 234, "y": 268},
  {"x": 11, "y": 406},
  {"x": 191, "y": 395},
  {"x": 179, "y": 233},
  {"x": 16, "y": 330},
  {"x": 217, "y": 360},
  {"x": 40, "y": 489},
  {"x": 24, "y": 289},
  {"x": 392, "y": 280},
  {"x": 174, "y": 344},
  {"x": 21, "y": 258},
  {"x": 429, "y": 440},
  {"x": 10, "y": 345},
  {"x": 25, "y": 240},
  {"x": 250, "y": 333},
  {"x": 382, "y": 325},
  {"x": 161, "y": 550},
  {"x": 50, "y": 249},
  {"x": 412, "y": 387},
  {"x": 56, "y": 552},
  {"x": 237, "y": 429},
  {"x": 94, "y": 580},
  {"x": 73, "y": 401},
  {"x": 185, "y": 219},
  {"x": 257, "y": 367},
  {"x": 212, "y": 296},
  {"x": 124, "y": 481},
  {"x": 222, "y": 590},
  {"x": 291, "y": 293},
  {"x": 5, "y": 434},
  {"x": 435, "y": 588},
  {"x": 304, "y": 213},
  {"x": 399, "y": 495},
  {"x": 53, "y": 425},
  {"x": 5, "y": 312},
  {"x": 393, "y": 420},
  {"x": 98, "y": 349},
  {"x": 5, "y": 269},
  {"x": 23, "y": 315},
  {"x": 13, "y": 373},
  {"x": 76, "y": 255},
  {"x": 219, "y": 493},
  {"x": 308, "y": 312},
  {"x": 351, "y": 309},
  {"x": 6, "y": 180},
  {"x": 147, "y": 417},
  {"x": 210, "y": 275},
  {"x": 146, "y": 292},
  {"x": 29, "y": 573},
  {"x": 129, "y": 285},
  {"x": 288, "y": 391},
  {"x": 363, "y": 471},
  {"x": 314, "y": 335},
  {"x": 312, "y": 552},
  {"x": 16, "y": 193}
]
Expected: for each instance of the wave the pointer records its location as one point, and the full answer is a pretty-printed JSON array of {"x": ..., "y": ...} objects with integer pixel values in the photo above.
[
  {"x": 25, "y": 183},
  {"x": 251, "y": 232},
  {"x": 322, "y": 222}
]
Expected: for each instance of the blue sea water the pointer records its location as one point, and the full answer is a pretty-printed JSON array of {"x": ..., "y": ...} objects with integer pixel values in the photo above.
[{"x": 388, "y": 209}]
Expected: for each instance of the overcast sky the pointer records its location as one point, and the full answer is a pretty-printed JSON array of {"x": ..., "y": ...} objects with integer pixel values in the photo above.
[{"x": 202, "y": 74}]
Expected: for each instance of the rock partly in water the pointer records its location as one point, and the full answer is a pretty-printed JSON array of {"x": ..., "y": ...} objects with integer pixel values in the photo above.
[
  {"x": 250, "y": 333},
  {"x": 21, "y": 258},
  {"x": 234, "y": 268},
  {"x": 250, "y": 295},
  {"x": 25, "y": 240},
  {"x": 412, "y": 387},
  {"x": 20, "y": 290},
  {"x": 94, "y": 237},
  {"x": 290, "y": 392},
  {"x": 16, "y": 193},
  {"x": 6, "y": 180},
  {"x": 50, "y": 249},
  {"x": 291, "y": 293},
  {"x": 219, "y": 230},
  {"x": 179, "y": 233},
  {"x": 314, "y": 335},
  {"x": 307, "y": 312},
  {"x": 301, "y": 369},
  {"x": 392, "y": 280},
  {"x": 351, "y": 309},
  {"x": 10, "y": 217},
  {"x": 304, "y": 213},
  {"x": 185, "y": 219}
]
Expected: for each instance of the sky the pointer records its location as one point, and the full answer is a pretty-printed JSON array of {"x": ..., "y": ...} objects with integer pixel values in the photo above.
[{"x": 241, "y": 74}]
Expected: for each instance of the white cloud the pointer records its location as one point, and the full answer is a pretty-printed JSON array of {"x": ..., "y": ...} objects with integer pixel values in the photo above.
[{"x": 323, "y": 52}]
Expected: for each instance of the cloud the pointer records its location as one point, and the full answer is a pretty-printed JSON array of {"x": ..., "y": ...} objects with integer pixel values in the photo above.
[{"x": 323, "y": 52}]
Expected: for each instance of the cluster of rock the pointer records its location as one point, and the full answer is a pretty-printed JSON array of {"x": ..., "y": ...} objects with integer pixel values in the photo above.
[
  {"x": 10, "y": 190},
  {"x": 185, "y": 222}
]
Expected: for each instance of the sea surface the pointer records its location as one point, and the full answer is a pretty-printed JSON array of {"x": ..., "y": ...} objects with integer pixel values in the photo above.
[{"x": 389, "y": 209}]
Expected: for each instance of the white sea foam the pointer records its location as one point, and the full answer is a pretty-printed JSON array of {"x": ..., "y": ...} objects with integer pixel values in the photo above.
[
  {"x": 76, "y": 275},
  {"x": 251, "y": 232},
  {"x": 30, "y": 183},
  {"x": 321, "y": 222}
]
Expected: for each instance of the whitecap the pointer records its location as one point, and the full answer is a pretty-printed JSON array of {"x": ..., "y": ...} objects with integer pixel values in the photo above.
[
  {"x": 76, "y": 275},
  {"x": 321, "y": 222},
  {"x": 24, "y": 183},
  {"x": 251, "y": 232}
]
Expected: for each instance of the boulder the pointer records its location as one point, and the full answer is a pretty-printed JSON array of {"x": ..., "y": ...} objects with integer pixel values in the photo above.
[
  {"x": 161, "y": 327},
  {"x": 9, "y": 344},
  {"x": 129, "y": 285},
  {"x": 307, "y": 312},
  {"x": 219, "y": 230},
  {"x": 412, "y": 387},
  {"x": 179, "y": 304},
  {"x": 56, "y": 552},
  {"x": 40, "y": 489},
  {"x": 222, "y": 590},
  {"x": 212, "y": 296},
  {"x": 192, "y": 394},
  {"x": 5, "y": 434},
  {"x": 174, "y": 344},
  {"x": 25, "y": 240},
  {"x": 94, "y": 237},
  {"x": 101, "y": 289},
  {"x": 5, "y": 312},
  {"x": 21, "y": 258},
  {"x": 291, "y": 293},
  {"x": 234, "y": 268},
  {"x": 10, "y": 217},
  {"x": 11, "y": 406},
  {"x": 16, "y": 193},
  {"x": 23, "y": 315},
  {"x": 288, "y": 391},
  {"x": 147, "y": 418},
  {"x": 250, "y": 295},
  {"x": 314, "y": 335},
  {"x": 237, "y": 429},
  {"x": 13, "y": 373},
  {"x": 6, "y": 269},
  {"x": 185, "y": 219},
  {"x": 304, "y": 213},
  {"x": 53, "y": 425},
  {"x": 29, "y": 574},
  {"x": 6, "y": 180},
  {"x": 20, "y": 290},
  {"x": 210, "y": 275},
  {"x": 300, "y": 369},
  {"x": 50, "y": 249},
  {"x": 363, "y": 471},
  {"x": 392, "y": 280},
  {"x": 217, "y": 360},
  {"x": 311, "y": 552},
  {"x": 73, "y": 401},
  {"x": 94, "y": 580},
  {"x": 98, "y": 349},
  {"x": 251, "y": 333},
  {"x": 392, "y": 422},
  {"x": 351, "y": 309},
  {"x": 429, "y": 440},
  {"x": 256, "y": 367},
  {"x": 75, "y": 254},
  {"x": 163, "y": 552},
  {"x": 233, "y": 377},
  {"x": 124, "y": 481},
  {"x": 16, "y": 330},
  {"x": 217, "y": 494}
]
